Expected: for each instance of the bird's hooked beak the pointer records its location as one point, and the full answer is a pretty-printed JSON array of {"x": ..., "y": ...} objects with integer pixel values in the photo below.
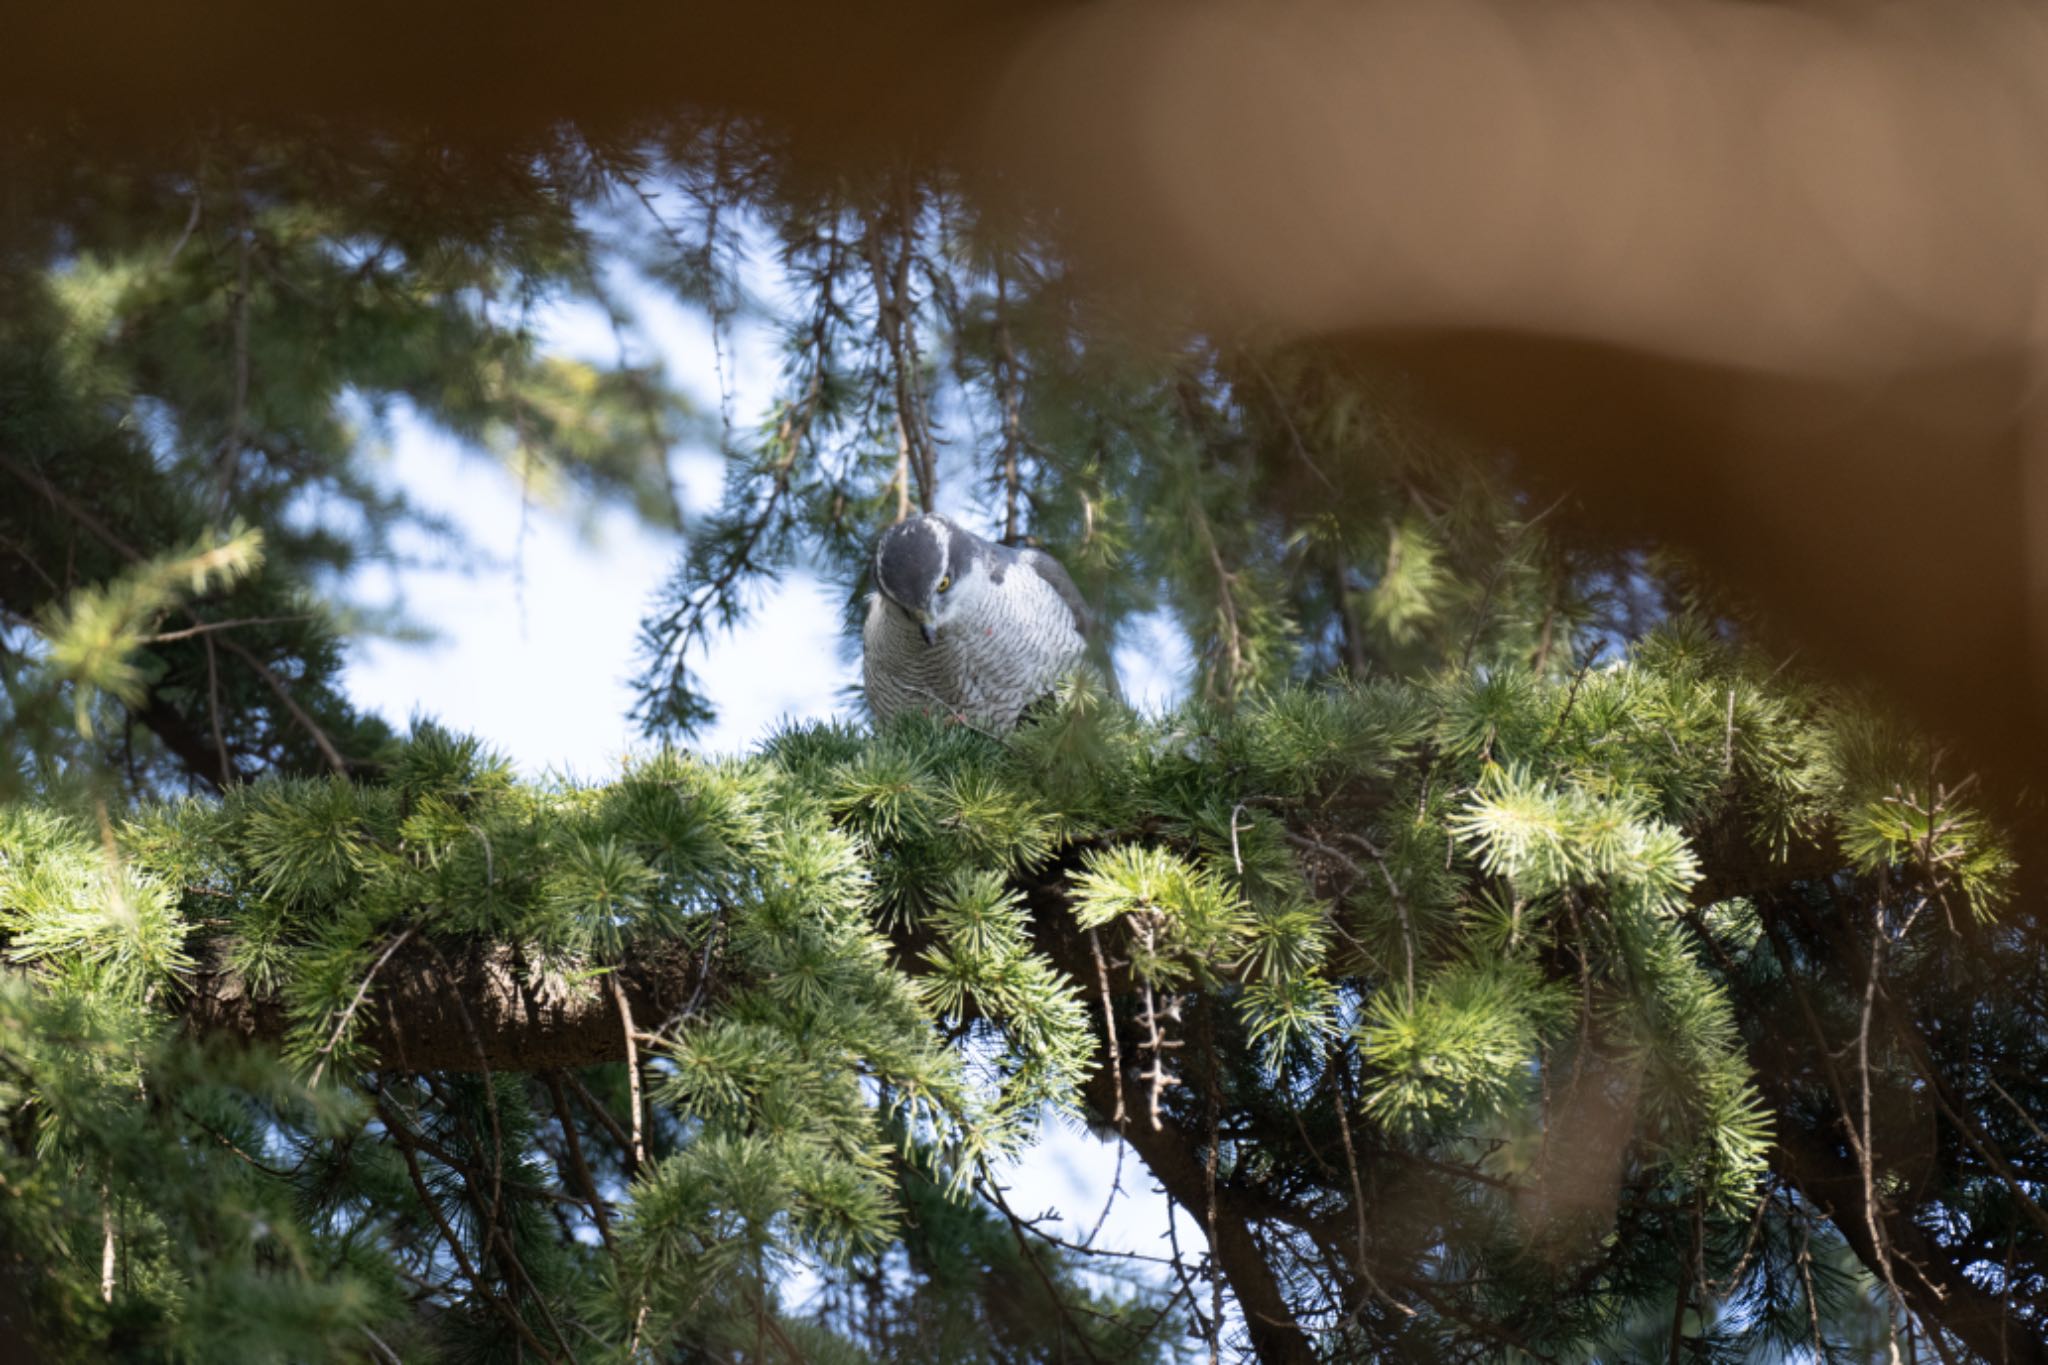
[{"x": 929, "y": 631}]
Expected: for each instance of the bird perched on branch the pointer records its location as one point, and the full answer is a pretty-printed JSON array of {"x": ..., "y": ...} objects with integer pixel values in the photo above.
[{"x": 965, "y": 628}]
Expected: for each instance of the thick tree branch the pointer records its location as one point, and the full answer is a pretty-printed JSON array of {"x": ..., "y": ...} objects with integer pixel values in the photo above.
[
  {"x": 1174, "y": 1157},
  {"x": 1817, "y": 1154},
  {"x": 1935, "y": 1287},
  {"x": 524, "y": 1020}
]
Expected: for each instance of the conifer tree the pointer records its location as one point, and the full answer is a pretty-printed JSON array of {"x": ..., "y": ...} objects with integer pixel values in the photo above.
[{"x": 1495, "y": 955}]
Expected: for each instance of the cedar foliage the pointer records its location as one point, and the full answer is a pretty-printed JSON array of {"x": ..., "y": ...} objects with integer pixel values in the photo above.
[{"x": 1493, "y": 955}]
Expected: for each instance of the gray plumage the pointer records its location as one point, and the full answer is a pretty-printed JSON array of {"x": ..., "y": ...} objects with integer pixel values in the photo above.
[{"x": 962, "y": 627}]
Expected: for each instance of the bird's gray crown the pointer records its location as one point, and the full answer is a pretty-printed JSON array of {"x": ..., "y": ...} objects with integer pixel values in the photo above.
[{"x": 912, "y": 556}]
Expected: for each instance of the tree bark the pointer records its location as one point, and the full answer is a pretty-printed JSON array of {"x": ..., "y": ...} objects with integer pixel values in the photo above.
[
  {"x": 1172, "y": 1153},
  {"x": 1928, "y": 1274},
  {"x": 412, "y": 1018}
]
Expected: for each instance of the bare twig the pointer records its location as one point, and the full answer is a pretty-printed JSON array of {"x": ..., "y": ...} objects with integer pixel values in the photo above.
[
  {"x": 1820, "y": 1350},
  {"x": 598, "y": 1111},
  {"x": 1286, "y": 416},
  {"x": 1180, "y": 1268},
  {"x": 901, "y": 483},
  {"x": 1226, "y": 603},
  {"x": 1865, "y": 1162},
  {"x": 2024, "y": 1116},
  {"x": 71, "y": 507},
  {"x": 1571, "y": 697},
  {"x": 1017, "y": 1227},
  {"x": 706, "y": 961},
  {"x": 362, "y": 991},
  {"x": 632, "y": 1067},
  {"x": 1214, "y": 1096},
  {"x": 578, "y": 1168},
  {"x": 1449, "y": 1309},
  {"x": 720, "y": 310},
  {"x": 897, "y": 324},
  {"x": 765, "y": 1323},
  {"x": 1116, "y": 1187},
  {"x": 1540, "y": 660},
  {"x": 639, "y": 1326},
  {"x": 1347, "y": 616},
  {"x": 220, "y": 744},
  {"x": 1012, "y": 392},
  {"x": 231, "y": 446},
  {"x": 283, "y": 694},
  {"x": 232, "y": 1146},
  {"x": 1682, "y": 1300},
  {"x": 1033, "y": 1227},
  {"x": 384, "y": 1351},
  {"x": 191, "y": 225},
  {"x": 511, "y": 1258},
  {"x": 401, "y": 1134},
  {"x": 1116, "y": 1056},
  {"x": 1728, "y": 741},
  {"x": 1341, "y": 1102},
  {"x": 476, "y": 1044},
  {"x": 1156, "y": 1077},
  {"x": 1400, "y": 902},
  {"x": 206, "y": 627},
  {"x": 1756, "y": 1224}
]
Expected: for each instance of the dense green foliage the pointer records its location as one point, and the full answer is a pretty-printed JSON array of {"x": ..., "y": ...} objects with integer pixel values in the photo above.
[
  {"x": 1493, "y": 956},
  {"x": 1470, "y": 908}
]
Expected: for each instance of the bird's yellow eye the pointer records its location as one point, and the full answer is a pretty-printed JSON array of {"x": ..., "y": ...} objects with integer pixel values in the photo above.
[{"x": 945, "y": 583}]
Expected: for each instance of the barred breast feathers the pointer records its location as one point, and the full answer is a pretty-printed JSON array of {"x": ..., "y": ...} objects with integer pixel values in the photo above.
[{"x": 1009, "y": 647}]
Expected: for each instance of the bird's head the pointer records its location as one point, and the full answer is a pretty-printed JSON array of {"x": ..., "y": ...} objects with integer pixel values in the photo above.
[{"x": 930, "y": 569}]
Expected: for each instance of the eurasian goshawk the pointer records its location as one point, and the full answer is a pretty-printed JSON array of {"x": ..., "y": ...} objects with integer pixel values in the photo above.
[{"x": 964, "y": 628}]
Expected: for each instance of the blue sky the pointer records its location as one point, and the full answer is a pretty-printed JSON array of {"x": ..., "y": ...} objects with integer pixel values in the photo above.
[{"x": 535, "y": 647}]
